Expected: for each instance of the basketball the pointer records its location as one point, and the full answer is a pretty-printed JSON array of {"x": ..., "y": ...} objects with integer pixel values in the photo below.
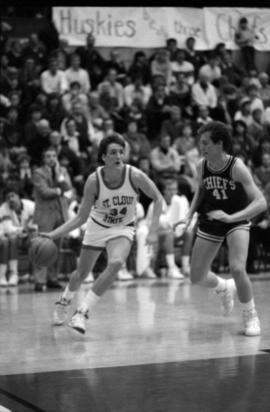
[{"x": 43, "y": 251}]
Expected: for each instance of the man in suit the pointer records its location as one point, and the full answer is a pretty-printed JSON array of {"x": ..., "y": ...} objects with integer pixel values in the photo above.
[{"x": 52, "y": 189}]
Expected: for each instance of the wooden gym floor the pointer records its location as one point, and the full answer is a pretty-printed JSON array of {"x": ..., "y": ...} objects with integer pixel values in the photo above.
[{"x": 150, "y": 346}]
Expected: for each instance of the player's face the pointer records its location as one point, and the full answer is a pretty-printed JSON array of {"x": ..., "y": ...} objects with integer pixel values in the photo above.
[
  {"x": 208, "y": 148},
  {"x": 114, "y": 156}
]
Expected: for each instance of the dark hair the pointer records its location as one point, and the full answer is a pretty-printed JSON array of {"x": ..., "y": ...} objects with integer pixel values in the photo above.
[
  {"x": 218, "y": 132},
  {"x": 49, "y": 149},
  {"x": 171, "y": 40},
  {"x": 243, "y": 20},
  {"x": 103, "y": 146}
]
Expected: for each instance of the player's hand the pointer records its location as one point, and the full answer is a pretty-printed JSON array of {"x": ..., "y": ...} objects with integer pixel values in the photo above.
[{"x": 219, "y": 215}]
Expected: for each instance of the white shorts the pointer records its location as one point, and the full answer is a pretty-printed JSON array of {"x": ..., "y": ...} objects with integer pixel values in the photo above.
[{"x": 97, "y": 236}]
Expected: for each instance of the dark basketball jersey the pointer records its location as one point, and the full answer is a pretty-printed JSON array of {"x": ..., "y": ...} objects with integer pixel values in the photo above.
[{"x": 221, "y": 192}]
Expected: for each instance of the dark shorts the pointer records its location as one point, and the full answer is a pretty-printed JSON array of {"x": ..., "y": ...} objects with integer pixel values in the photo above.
[{"x": 217, "y": 231}]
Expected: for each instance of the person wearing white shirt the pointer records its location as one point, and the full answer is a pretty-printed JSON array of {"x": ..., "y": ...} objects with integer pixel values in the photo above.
[
  {"x": 15, "y": 222},
  {"x": 114, "y": 88},
  {"x": 181, "y": 65},
  {"x": 53, "y": 80},
  {"x": 76, "y": 74},
  {"x": 203, "y": 93},
  {"x": 175, "y": 209},
  {"x": 137, "y": 90}
]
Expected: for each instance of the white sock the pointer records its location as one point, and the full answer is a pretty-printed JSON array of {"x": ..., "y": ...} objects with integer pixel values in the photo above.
[
  {"x": 170, "y": 260},
  {"x": 68, "y": 294},
  {"x": 185, "y": 261},
  {"x": 89, "y": 301},
  {"x": 221, "y": 286},
  {"x": 248, "y": 305}
]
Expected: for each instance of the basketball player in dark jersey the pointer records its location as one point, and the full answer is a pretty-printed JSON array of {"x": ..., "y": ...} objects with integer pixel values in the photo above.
[
  {"x": 109, "y": 207},
  {"x": 226, "y": 199}
]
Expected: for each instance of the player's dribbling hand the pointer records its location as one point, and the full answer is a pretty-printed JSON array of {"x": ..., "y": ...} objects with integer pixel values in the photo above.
[{"x": 219, "y": 215}]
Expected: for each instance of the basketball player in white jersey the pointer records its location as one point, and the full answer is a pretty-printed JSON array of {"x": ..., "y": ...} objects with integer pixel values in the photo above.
[{"x": 109, "y": 207}]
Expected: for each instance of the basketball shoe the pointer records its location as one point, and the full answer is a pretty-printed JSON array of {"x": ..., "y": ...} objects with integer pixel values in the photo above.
[
  {"x": 251, "y": 323},
  {"x": 60, "y": 311},
  {"x": 174, "y": 273},
  {"x": 78, "y": 321},
  {"x": 227, "y": 297}
]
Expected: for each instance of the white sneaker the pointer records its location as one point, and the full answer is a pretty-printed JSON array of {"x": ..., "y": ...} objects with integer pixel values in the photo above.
[
  {"x": 251, "y": 323},
  {"x": 149, "y": 273},
  {"x": 175, "y": 273},
  {"x": 13, "y": 279},
  {"x": 89, "y": 278},
  {"x": 227, "y": 297},
  {"x": 60, "y": 311},
  {"x": 3, "y": 282},
  {"x": 124, "y": 274},
  {"x": 78, "y": 321}
]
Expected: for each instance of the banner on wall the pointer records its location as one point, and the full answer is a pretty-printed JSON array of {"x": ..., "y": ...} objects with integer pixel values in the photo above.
[{"x": 149, "y": 27}]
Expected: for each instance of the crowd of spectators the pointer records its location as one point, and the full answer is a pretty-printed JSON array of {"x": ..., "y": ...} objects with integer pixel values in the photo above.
[{"x": 71, "y": 98}]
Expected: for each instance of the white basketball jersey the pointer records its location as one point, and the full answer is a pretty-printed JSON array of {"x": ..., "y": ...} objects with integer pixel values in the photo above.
[{"x": 115, "y": 206}]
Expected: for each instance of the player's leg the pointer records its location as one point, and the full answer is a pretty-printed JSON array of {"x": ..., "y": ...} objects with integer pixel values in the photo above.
[
  {"x": 167, "y": 237},
  {"x": 203, "y": 254},
  {"x": 87, "y": 260},
  {"x": 3, "y": 260},
  {"x": 238, "y": 241},
  {"x": 117, "y": 250}
]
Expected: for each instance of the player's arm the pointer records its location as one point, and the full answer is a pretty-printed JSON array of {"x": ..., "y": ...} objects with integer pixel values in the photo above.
[
  {"x": 90, "y": 191},
  {"x": 145, "y": 184},
  {"x": 257, "y": 203}
]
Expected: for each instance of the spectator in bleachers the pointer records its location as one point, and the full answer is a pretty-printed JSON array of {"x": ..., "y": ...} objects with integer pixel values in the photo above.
[
  {"x": 211, "y": 69},
  {"x": 232, "y": 71},
  {"x": 255, "y": 101},
  {"x": 74, "y": 73},
  {"x": 172, "y": 47},
  {"x": 136, "y": 113},
  {"x": 256, "y": 128},
  {"x": 24, "y": 175},
  {"x": 113, "y": 87},
  {"x": 244, "y": 112},
  {"x": 203, "y": 93},
  {"x": 241, "y": 136},
  {"x": 193, "y": 56},
  {"x": 92, "y": 61},
  {"x": 165, "y": 159},
  {"x": 30, "y": 79},
  {"x": 12, "y": 128},
  {"x": 72, "y": 96},
  {"x": 115, "y": 62},
  {"x": 138, "y": 145},
  {"x": 173, "y": 125},
  {"x": 97, "y": 113},
  {"x": 263, "y": 171},
  {"x": 161, "y": 65},
  {"x": 11, "y": 82},
  {"x": 4, "y": 65},
  {"x": 245, "y": 38},
  {"x": 54, "y": 113},
  {"x": 180, "y": 94},
  {"x": 262, "y": 148},
  {"x": 70, "y": 136},
  {"x": 63, "y": 54},
  {"x": 140, "y": 67},
  {"x": 203, "y": 116},
  {"x": 137, "y": 90},
  {"x": 181, "y": 65},
  {"x": 264, "y": 89},
  {"x": 221, "y": 112},
  {"x": 39, "y": 142},
  {"x": 53, "y": 80},
  {"x": 36, "y": 50},
  {"x": 14, "y": 53},
  {"x": 41, "y": 100},
  {"x": 157, "y": 110},
  {"x": 15, "y": 222},
  {"x": 30, "y": 126},
  {"x": 52, "y": 189},
  {"x": 83, "y": 126}
]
